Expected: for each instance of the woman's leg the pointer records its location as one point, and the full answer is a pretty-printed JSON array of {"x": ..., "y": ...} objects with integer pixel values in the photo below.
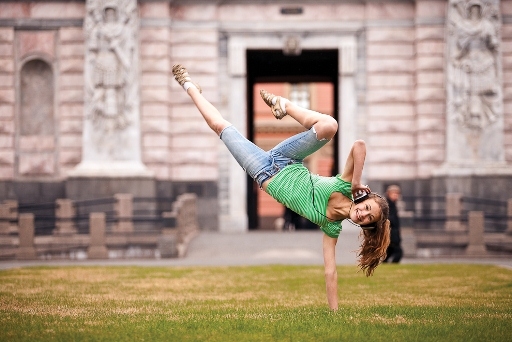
[
  {"x": 325, "y": 125},
  {"x": 321, "y": 128},
  {"x": 250, "y": 157},
  {"x": 210, "y": 114},
  {"x": 256, "y": 163},
  {"x": 299, "y": 146}
]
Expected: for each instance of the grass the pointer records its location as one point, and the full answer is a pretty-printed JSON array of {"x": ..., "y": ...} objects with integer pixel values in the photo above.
[{"x": 263, "y": 303}]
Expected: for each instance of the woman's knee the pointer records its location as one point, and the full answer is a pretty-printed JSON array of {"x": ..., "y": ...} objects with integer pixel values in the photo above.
[
  {"x": 326, "y": 128},
  {"x": 219, "y": 125}
]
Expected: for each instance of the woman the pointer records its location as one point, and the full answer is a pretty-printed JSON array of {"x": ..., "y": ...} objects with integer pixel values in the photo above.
[{"x": 326, "y": 201}]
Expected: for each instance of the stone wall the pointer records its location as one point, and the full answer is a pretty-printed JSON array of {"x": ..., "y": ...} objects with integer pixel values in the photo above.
[
  {"x": 7, "y": 123},
  {"x": 155, "y": 87},
  {"x": 194, "y": 43},
  {"x": 390, "y": 95},
  {"x": 506, "y": 36},
  {"x": 399, "y": 76}
]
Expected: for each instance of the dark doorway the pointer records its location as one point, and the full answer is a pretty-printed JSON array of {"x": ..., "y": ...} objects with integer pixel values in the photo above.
[{"x": 272, "y": 66}]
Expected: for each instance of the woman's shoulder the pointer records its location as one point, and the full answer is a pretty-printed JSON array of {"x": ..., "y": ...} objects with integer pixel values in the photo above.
[
  {"x": 332, "y": 229},
  {"x": 341, "y": 180},
  {"x": 344, "y": 187}
]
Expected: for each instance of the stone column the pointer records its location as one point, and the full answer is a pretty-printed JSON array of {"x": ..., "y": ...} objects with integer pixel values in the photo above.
[
  {"x": 97, "y": 244},
  {"x": 476, "y": 245},
  {"x": 64, "y": 214},
  {"x": 453, "y": 212},
  {"x": 348, "y": 97},
  {"x": 509, "y": 216},
  {"x": 26, "y": 250},
  {"x": 124, "y": 213},
  {"x": 234, "y": 215}
]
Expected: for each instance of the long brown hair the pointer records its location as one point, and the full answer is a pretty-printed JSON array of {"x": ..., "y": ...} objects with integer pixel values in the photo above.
[{"x": 375, "y": 241}]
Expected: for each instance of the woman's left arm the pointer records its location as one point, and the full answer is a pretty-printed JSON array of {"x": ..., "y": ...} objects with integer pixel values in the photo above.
[
  {"x": 354, "y": 166},
  {"x": 331, "y": 275}
]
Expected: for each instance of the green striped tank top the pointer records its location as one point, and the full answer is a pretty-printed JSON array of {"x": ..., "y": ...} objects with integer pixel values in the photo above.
[{"x": 293, "y": 187}]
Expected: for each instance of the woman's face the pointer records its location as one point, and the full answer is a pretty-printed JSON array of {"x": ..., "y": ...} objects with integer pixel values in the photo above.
[{"x": 366, "y": 212}]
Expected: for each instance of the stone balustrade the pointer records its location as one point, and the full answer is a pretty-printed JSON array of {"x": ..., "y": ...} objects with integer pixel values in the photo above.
[
  {"x": 462, "y": 230},
  {"x": 18, "y": 239}
]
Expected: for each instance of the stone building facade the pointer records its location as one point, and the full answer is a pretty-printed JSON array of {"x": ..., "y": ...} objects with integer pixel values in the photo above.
[{"x": 400, "y": 66}]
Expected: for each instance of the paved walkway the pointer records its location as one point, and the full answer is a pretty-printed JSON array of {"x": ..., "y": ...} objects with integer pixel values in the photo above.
[{"x": 258, "y": 248}]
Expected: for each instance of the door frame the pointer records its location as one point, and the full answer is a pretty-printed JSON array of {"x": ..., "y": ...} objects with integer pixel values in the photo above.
[{"x": 233, "y": 215}]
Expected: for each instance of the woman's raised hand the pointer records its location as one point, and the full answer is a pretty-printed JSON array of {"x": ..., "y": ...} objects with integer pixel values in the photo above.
[{"x": 358, "y": 188}]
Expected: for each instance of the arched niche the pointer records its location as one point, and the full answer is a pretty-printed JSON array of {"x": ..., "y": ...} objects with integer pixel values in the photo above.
[
  {"x": 36, "y": 98},
  {"x": 36, "y": 134}
]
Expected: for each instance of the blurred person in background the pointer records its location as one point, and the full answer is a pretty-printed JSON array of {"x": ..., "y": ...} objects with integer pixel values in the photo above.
[{"x": 394, "y": 251}]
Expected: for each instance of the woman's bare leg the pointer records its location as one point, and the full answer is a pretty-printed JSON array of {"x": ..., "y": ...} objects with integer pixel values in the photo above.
[
  {"x": 210, "y": 114},
  {"x": 325, "y": 125}
]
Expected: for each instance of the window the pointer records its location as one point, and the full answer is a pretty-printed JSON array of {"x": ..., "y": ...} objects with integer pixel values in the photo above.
[{"x": 300, "y": 95}]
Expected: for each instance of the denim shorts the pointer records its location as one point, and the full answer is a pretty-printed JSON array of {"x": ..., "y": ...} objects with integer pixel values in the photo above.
[{"x": 262, "y": 165}]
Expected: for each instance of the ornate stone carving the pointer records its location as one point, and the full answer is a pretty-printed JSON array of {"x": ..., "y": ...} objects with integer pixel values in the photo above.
[
  {"x": 111, "y": 136},
  {"x": 292, "y": 46},
  {"x": 474, "y": 82},
  {"x": 111, "y": 80},
  {"x": 474, "y": 32}
]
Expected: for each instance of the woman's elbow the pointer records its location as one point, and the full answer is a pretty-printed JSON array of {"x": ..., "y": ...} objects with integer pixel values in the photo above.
[{"x": 359, "y": 143}]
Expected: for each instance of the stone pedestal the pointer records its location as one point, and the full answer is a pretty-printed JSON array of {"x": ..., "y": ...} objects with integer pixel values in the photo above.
[
  {"x": 476, "y": 245},
  {"x": 453, "y": 212},
  {"x": 4, "y": 220},
  {"x": 64, "y": 213},
  {"x": 26, "y": 250},
  {"x": 409, "y": 242},
  {"x": 97, "y": 245},
  {"x": 124, "y": 213},
  {"x": 168, "y": 245}
]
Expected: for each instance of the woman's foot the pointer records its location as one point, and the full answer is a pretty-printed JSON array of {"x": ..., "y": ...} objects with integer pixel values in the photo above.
[
  {"x": 181, "y": 75},
  {"x": 277, "y": 104}
]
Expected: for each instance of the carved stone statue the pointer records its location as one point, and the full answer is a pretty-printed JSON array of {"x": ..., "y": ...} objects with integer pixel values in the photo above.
[
  {"x": 111, "y": 136},
  {"x": 476, "y": 97},
  {"x": 474, "y": 82},
  {"x": 111, "y": 70}
]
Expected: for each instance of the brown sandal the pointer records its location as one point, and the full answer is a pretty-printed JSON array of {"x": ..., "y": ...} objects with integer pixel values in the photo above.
[
  {"x": 275, "y": 108},
  {"x": 181, "y": 75}
]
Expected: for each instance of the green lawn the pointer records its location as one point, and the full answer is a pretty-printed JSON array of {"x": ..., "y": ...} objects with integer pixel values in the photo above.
[{"x": 263, "y": 303}]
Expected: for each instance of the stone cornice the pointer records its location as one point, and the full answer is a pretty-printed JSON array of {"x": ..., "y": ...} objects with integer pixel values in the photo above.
[
  {"x": 238, "y": 2},
  {"x": 40, "y": 24}
]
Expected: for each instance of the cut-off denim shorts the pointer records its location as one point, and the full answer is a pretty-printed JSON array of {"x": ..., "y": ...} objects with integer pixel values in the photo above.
[{"x": 262, "y": 165}]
